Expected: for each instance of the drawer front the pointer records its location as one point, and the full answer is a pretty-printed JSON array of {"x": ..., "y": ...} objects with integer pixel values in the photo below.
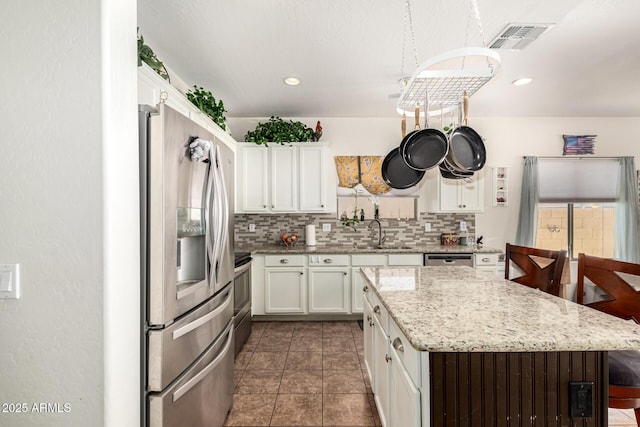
[
  {"x": 379, "y": 311},
  {"x": 362, "y": 260},
  {"x": 328, "y": 260},
  {"x": 409, "y": 356},
  {"x": 405, "y": 259},
  {"x": 486, "y": 259},
  {"x": 284, "y": 260}
]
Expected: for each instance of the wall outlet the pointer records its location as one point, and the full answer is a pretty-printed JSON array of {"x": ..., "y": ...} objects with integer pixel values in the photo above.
[
  {"x": 252, "y": 228},
  {"x": 463, "y": 225},
  {"x": 326, "y": 227},
  {"x": 427, "y": 226}
]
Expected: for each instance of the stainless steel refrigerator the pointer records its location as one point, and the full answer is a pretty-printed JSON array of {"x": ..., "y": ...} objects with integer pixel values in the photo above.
[{"x": 186, "y": 184}]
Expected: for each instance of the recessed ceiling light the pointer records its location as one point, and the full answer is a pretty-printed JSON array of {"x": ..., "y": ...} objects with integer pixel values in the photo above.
[
  {"x": 291, "y": 81},
  {"x": 522, "y": 81}
]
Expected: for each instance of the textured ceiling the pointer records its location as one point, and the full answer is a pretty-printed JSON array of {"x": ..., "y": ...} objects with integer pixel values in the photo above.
[{"x": 351, "y": 53}]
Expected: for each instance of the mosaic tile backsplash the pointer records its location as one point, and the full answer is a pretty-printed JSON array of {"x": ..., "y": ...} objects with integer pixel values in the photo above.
[{"x": 399, "y": 232}]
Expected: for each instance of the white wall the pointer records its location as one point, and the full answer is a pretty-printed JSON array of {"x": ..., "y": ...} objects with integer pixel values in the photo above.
[
  {"x": 507, "y": 139},
  {"x": 57, "y": 167}
]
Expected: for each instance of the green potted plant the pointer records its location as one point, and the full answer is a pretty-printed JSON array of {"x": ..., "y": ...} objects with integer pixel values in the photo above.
[
  {"x": 205, "y": 101},
  {"x": 282, "y": 131}
]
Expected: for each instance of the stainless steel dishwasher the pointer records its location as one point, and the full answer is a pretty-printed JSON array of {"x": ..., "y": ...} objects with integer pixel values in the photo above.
[{"x": 451, "y": 259}]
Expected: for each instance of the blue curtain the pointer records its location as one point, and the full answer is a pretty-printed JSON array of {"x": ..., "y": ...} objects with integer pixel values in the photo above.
[
  {"x": 528, "y": 219},
  {"x": 626, "y": 236}
]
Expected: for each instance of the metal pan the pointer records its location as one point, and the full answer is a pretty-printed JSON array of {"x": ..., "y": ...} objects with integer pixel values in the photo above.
[
  {"x": 424, "y": 149},
  {"x": 449, "y": 172},
  {"x": 466, "y": 148},
  {"x": 397, "y": 174}
]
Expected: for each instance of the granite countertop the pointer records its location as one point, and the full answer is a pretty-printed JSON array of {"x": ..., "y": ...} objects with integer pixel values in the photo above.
[
  {"x": 362, "y": 248},
  {"x": 461, "y": 309}
]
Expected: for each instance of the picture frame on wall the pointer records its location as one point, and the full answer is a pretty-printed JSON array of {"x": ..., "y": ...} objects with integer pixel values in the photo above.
[{"x": 578, "y": 145}]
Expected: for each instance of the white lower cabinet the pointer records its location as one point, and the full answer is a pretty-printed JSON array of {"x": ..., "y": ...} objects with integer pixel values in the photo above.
[
  {"x": 491, "y": 262},
  {"x": 393, "y": 366},
  {"x": 285, "y": 290},
  {"x": 369, "y": 334},
  {"x": 315, "y": 284},
  {"x": 381, "y": 372},
  {"x": 404, "y": 395},
  {"x": 329, "y": 290}
]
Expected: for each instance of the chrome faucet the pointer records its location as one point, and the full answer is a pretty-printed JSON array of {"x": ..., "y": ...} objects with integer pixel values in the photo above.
[{"x": 381, "y": 234}]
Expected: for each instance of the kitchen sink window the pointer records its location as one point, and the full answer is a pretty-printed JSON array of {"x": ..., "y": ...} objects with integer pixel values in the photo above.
[{"x": 581, "y": 204}]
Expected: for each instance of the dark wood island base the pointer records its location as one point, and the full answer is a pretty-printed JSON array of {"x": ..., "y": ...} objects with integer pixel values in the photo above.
[{"x": 516, "y": 389}]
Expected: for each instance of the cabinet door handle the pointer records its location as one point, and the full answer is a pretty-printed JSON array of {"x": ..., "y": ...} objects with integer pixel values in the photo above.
[
  {"x": 397, "y": 344},
  {"x": 327, "y": 261},
  {"x": 301, "y": 273},
  {"x": 387, "y": 358},
  {"x": 345, "y": 273},
  {"x": 369, "y": 319},
  {"x": 365, "y": 289},
  {"x": 284, "y": 261},
  {"x": 485, "y": 260},
  {"x": 376, "y": 309}
]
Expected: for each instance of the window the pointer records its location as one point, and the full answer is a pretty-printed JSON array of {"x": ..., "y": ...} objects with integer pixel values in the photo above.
[
  {"x": 577, "y": 227},
  {"x": 577, "y": 202}
]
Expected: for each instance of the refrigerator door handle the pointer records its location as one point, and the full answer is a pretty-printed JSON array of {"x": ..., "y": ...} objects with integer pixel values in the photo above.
[
  {"x": 224, "y": 207},
  {"x": 202, "y": 320},
  {"x": 202, "y": 374},
  {"x": 209, "y": 225},
  {"x": 216, "y": 220}
]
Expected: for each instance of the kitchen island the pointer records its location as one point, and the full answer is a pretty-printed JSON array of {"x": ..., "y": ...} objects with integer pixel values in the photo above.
[{"x": 459, "y": 346}]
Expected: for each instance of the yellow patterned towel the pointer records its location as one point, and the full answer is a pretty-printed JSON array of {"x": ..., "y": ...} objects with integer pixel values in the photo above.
[
  {"x": 367, "y": 170},
  {"x": 348, "y": 172},
  {"x": 371, "y": 175}
]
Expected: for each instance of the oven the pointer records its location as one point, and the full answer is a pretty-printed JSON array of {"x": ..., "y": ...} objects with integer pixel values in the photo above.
[{"x": 242, "y": 299}]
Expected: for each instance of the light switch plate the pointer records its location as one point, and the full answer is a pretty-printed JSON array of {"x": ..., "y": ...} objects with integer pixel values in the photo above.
[
  {"x": 427, "y": 226},
  {"x": 463, "y": 225},
  {"x": 326, "y": 227},
  {"x": 252, "y": 228},
  {"x": 9, "y": 281}
]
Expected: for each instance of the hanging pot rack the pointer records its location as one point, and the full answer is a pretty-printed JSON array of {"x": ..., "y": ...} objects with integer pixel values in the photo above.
[{"x": 442, "y": 79}]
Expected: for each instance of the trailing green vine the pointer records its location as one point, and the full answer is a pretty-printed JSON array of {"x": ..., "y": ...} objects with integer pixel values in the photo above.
[
  {"x": 205, "y": 101},
  {"x": 146, "y": 55}
]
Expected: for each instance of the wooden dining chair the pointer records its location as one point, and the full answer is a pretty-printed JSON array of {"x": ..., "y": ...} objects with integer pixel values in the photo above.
[
  {"x": 541, "y": 268},
  {"x": 622, "y": 300}
]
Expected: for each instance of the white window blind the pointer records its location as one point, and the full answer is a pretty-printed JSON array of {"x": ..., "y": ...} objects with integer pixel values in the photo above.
[{"x": 578, "y": 180}]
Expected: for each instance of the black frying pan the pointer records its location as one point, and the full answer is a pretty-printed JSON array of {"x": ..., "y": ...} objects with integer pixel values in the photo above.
[
  {"x": 466, "y": 148},
  {"x": 424, "y": 149},
  {"x": 397, "y": 174}
]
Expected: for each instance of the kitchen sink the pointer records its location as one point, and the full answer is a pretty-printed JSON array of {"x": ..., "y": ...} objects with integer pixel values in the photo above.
[{"x": 382, "y": 247}]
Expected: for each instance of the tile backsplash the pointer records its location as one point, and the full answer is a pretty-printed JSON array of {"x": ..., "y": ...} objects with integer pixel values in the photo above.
[{"x": 268, "y": 228}]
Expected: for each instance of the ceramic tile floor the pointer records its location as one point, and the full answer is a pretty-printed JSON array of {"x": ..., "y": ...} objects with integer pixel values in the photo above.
[
  {"x": 622, "y": 418},
  {"x": 302, "y": 374},
  {"x": 312, "y": 374}
]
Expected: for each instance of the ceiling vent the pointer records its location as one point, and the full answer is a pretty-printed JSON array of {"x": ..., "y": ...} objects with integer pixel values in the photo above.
[{"x": 518, "y": 36}]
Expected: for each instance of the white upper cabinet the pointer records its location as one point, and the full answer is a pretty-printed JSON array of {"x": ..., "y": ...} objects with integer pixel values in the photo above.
[
  {"x": 254, "y": 189},
  {"x": 288, "y": 178},
  {"x": 313, "y": 168},
  {"x": 284, "y": 179},
  {"x": 456, "y": 195}
]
